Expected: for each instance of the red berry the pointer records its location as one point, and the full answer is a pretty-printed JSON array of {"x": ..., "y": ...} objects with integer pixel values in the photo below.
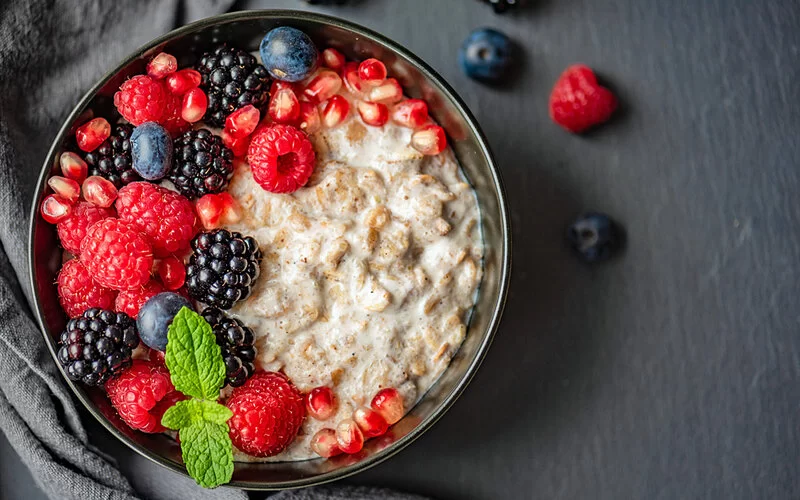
[
  {"x": 99, "y": 191},
  {"x": 389, "y": 92},
  {"x": 171, "y": 272},
  {"x": 165, "y": 217},
  {"x": 142, "y": 394},
  {"x": 281, "y": 158},
  {"x": 194, "y": 105},
  {"x": 237, "y": 145},
  {"x": 92, "y": 133},
  {"x": 333, "y": 59},
  {"x": 323, "y": 86},
  {"x": 267, "y": 411},
  {"x": 321, "y": 403},
  {"x": 411, "y": 113},
  {"x": 578, "y": 102},
  {"x": 172, "y": 119},
  {"x": 284, "y": 107},
  {"x": 296, "y": 87},
  {"x": 351, "y": 79},
  {"x": 141, "y": 99},
  {"x": 309, "y": 121},
  {"x": 324, "y": 443},
  {"x": 55, "y": 208},
  {"x": 335, "y": 111},
  {"x": 73, "y": 167},
  {"x": 429, "y": 140},
  {"x": 369, "y": 421},
  {"x": 373, "y": 113},
  {"x": 372, "y": 72},
  {"x": 182, "y": 81},
  {"x": 65, "y": 188},
  {"x": 243, "y": 121},
  {"x": 162, "y": 65},
  {"x": 389, "y": 403},
  {"x": 129, "y": 301},
  {"x": 349, "y": 436},
  {"x": 77, "y": 291},
  {"x": 116, "y": 254},
  {"x": 72, "y": 229}
]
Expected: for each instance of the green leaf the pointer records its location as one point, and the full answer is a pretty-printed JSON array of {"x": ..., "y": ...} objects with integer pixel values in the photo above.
[
  {"x": 207, "y": 452},
  {"x": 188, "y": 412},
  {"x": 193, "y": 357}
]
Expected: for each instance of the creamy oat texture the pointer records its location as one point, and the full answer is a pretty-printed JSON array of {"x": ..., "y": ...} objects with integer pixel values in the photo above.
[{"x": 369, "y": 274}]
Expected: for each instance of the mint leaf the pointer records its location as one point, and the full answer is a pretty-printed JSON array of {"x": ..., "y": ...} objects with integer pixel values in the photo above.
[
  {"x": 193, "y": 357},
  {"x": 207, "y": 452},
  {"x": 188, "y": 412},
  {"x": 177, "y": 416}
]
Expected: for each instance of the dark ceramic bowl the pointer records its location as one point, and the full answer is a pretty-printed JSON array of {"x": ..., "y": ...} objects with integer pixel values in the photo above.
[{"x": 246, "y": 30}]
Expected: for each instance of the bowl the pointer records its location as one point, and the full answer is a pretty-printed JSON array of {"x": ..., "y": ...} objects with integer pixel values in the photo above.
[{"x": 246, "y": 30}]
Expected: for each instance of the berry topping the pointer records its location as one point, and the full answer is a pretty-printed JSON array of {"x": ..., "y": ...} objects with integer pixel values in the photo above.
[
  {"x": 232, "y": 79},
  {"x": 99, "y": 191},
  {"x": 183, "y": 81},
  {"x": 372, "y": 72},
  {"x": 267, "y": 413},
  {"x": 202, "y": 164},
  {"x": 373, "y": 113},
  {"x": 55, "y": 208},
  {"x": 309, "y": 121},
  {"x": 97, "y": 345},
  {"x": 323, "y": 86},
  {"x": 236, "y": 344},
  {"x": 370, "y": 422},
  {"x": 578, "y": 102},
  {"x": 155, "y": 316},
  {"x": 142, "y": 393},
  {"x": 171, "y": 272},
  {"x": 65, "y": 188},
  {"x": 243, "y": 122},
  {"x": 172, "y": 119},
  {"x": 281, "y": 158},
  {"x": 335, "y": 112},
  {"x": 77, "y": 291},
  {"x": 72, "y": 229},
  {"x": 237, "y": 145},
  {"x": 321, "y": 403},
  {"x": 284, "y": 106},
  {"x": 151, "y": 151},
  {"x": 216, "y": 209},
  {"x": 411, "y": 113},
  {"x": 73, "y": 167},
  {"x": 92, "y": 133},
  {"x": 195, "y": 105},
  {"x": 389, "y": 92},
  {"x": 594, "y": 236},
  {"x": 486, "y": 55},
  {"x": 333, "y": 59},
  {"x": 349, "y": 436},
  {"x": 389, "y": 403},
  {"x": 289, "y": 54},
  {"x": 141, "y": 99},
  {"x": 324, "y": 443},
  {"x": 117, "y": 255},
  {"x": 162, "y": 65},
  {"x": 112, "y": 160},
  {"x": 130, "y": 301},
  {"x": 429, "y": 140},
  {"x": 222, "y": 267},
  {"x": 351, "y": 79},
  {"x": 165, "y": 217}
]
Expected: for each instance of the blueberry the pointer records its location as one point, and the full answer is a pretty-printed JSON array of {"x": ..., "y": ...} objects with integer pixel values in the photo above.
[
  {"x": 151, "y": 151},
  {"x": 486, "y": 55},
  {"x": 288, "y": 54},
  {"x": 155, "y": 317},
  {"x": 594, "y": 236}
]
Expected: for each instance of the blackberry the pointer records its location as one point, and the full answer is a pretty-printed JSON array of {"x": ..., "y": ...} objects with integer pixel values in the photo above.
[
  {"x": 501, "y": 6},
  {"x": 97, "y": 345},
  {"x": 222, "y": 268},
  {"x": 236, "y": 342},
  {"x": 232, "y": 79},
  {"x": 201, "y": 164},
  {"x": 112, "y": 158}
]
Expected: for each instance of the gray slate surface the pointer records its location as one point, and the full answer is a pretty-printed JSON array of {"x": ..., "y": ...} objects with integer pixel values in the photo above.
[{"x": 671, "y": 372}]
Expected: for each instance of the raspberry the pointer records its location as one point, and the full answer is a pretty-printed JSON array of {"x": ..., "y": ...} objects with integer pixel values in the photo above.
[
  {"x": 141, "y": 99},
  {"x": 77, "y": 291},
  {"x": 129, "y": 301},
  {"x": 171, "y": 119},
  {"x": 165, "y": 217},
  {"x": 267, "y": 413},
  {"x": 72, "y": 228},
  {"x": 142, "y": 394},
  {"x": 578, "y": 102},
  {"x": 117, "y": 255},
  {"x": 281, "y": 157}
]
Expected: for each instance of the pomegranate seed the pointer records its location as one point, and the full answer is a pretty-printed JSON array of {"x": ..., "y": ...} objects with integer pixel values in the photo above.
[
  {"x": 55, "y": 208},
  {"x": 323, "y": 86},
  {"x": 183, "y": 81},
  {"x": 351, "y": 79},
  {"x": 209, "y": 209},
  {"x": 99, "y": 191},
  {"x": 389, "y": 404},
  {"x": 65, "y": 188},
  {"x": 243, "y": 121},
  {"x": 321, "y": 403},
  {"x": 237, "y": 145},
  {"x": 324, "y": 443},
  {"x": 333, "y": 59},
  {"x": 231, "y": 212},
  {"x": 429, "y": 140},
  {"x": 73, "y": 167},
  {"x": 195, "y": 104},
  {"x": 373, "y": 113},
  {"x": 277, "y": 85},
  {"x": 309, "y": 121},
  {"x": 370, "y": 422},
  {"x": 162, "y": 65},
  {"x": 389, "y": 92},
  {"x": 412, "y": 113},
  {"x": 92, "y": 133},
  {"x": 284, "y": 107},
  {"x": 171, "y": 272},
  {"x": 335, "y": 112},
  {"x": 372, "y": 72},
  {"x": 349, "y": 436}
]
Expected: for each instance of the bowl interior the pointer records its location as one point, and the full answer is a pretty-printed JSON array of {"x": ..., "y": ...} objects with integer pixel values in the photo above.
[{"x": 245, "y": 30}]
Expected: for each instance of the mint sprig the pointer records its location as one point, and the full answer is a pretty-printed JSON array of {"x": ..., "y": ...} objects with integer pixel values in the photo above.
[{"x": 196, "y": 368}]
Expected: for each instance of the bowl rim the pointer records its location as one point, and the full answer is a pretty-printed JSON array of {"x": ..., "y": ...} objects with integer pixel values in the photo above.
[{"x": 505, "y": 258}]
